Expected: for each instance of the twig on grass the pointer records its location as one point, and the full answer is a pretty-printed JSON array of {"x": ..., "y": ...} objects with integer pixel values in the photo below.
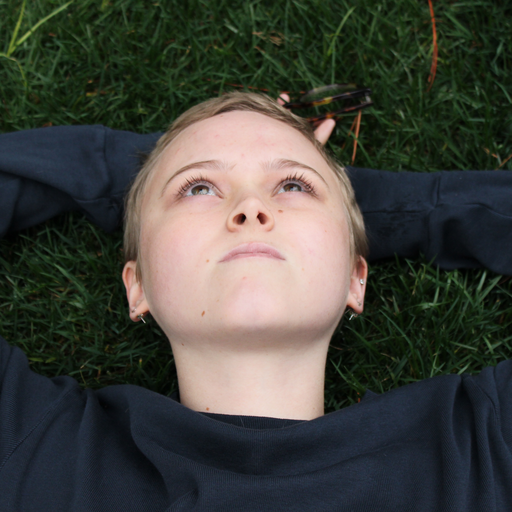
[
  {"x": 433, "y": 67},
  {"x": 498, "y": 158},
  {"x": 356, "y": 138},
  {"x": 504, "y": 161},
  {"x": 356, "y": 123}
]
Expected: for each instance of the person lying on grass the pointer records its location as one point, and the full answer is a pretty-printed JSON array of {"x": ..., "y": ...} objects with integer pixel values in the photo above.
[{"x": 244, "y": 242}]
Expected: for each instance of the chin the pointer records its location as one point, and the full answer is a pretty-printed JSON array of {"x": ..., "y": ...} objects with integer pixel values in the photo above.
[
  {"x": 258, "y": 314},
  {"x": 255, "y": 312}
]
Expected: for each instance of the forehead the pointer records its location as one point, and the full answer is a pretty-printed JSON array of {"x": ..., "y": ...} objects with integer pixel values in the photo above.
[
  {"x": 236, "y": 129},
  {"x": 238, "y": 138}
]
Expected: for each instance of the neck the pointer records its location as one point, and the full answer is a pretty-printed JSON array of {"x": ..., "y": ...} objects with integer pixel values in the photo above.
[{"x": 285, "y": 382}]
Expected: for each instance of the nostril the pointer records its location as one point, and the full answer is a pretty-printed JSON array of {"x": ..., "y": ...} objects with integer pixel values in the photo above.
[
  {"x": 262, "y": 218},
  {"x": 240, "y": 219}
]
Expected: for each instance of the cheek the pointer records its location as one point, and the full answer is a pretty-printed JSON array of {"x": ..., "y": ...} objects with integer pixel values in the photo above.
[
  {"x": 325, "y": 241},
  {"x": 325, "y": 246},
  {"x": 168, "y": 255}
]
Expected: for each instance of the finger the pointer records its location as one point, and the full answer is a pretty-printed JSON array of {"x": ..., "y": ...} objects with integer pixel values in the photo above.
[
  {"x": 324, "y": 130},
  {"x": 283, "y": 98}
]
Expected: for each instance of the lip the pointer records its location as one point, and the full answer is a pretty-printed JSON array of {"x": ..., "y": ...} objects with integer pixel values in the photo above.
[{"x": 252, "y": 250}]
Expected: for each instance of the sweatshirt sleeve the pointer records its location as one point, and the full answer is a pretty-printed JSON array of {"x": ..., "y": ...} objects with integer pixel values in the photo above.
[
  {"x": 47, "y": 171},
  {"x": 494, "y": 385},
  {"x": 458, "y": 219},
  {"x": 27, "y": 400}
]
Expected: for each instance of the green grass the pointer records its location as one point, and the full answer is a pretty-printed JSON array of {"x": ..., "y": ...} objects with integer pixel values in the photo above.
[{"x": 136, "y": 65}]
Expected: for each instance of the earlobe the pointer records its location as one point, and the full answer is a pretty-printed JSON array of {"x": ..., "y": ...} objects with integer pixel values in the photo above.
[
  {"x": 358, "y": 286},
  {"x": 134, "y": 292}
]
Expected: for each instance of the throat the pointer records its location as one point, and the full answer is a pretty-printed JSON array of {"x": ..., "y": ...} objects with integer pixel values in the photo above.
[{"x": 274, "y": 385}]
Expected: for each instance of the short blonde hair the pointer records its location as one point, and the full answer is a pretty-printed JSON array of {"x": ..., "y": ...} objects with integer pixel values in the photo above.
[{"x": 235, "y": 101}]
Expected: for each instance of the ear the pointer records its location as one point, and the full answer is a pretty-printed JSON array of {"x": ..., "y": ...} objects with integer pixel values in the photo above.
[
  {"x": 134, "y": 291},
  {"x": 358, "y": 286}
]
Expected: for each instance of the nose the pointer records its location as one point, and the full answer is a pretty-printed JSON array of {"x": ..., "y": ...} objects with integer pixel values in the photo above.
[{"x": 250, "y": 212}]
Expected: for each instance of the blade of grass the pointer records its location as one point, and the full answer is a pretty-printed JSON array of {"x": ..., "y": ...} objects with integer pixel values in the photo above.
[
  {"x": 12, "y": 44},
  {"x": 29, "y": 32}
]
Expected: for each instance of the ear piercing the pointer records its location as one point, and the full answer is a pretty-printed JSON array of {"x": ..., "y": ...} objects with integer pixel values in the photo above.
[
  {"x": 352, "y": 315},
  {"x": 141, "y": 316},
  {"x": 361, "y": 281}
]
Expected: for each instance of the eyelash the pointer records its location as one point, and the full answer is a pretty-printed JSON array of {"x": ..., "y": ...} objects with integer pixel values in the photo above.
[
  {"x": 306, "y": 184},
  {"x": 190, "y": 182},
  {"x": 201, "y": 180}
]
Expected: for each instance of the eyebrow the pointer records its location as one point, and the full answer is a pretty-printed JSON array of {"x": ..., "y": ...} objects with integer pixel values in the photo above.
[
  {"x": 284, "y": 163},
  {"x": 215, "y": 165},
  {"x": 218, "y": 165}
]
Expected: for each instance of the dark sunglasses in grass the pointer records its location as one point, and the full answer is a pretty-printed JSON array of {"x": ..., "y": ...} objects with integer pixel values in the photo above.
[{"x": 354, "y": 98}]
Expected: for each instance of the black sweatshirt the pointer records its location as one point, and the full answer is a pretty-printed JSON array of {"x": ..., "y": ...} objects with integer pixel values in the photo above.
[
  {"x": 443, "y": 444},
  {"x": 439, "y": 445}
]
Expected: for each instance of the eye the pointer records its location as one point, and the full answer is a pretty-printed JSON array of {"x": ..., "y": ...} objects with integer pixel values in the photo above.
[
  {"x": 296, "y": 183},
  {"x": 196, "y": 186}
]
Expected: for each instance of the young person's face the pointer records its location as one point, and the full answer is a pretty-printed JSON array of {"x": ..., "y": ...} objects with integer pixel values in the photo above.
[{"x": 243, "y": 232}]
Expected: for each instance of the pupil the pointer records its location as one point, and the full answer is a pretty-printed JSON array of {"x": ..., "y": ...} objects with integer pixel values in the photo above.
[{"x": 199, "y": 190}]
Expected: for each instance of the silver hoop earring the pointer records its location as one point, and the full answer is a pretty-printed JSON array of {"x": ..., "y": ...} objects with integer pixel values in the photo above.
[{"x": 352, "y": 315}]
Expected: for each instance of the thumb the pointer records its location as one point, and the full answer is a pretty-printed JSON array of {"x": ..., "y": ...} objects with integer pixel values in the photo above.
[
  {"x": 283, "y": 98},
  {"x": 324, "y": 130}
]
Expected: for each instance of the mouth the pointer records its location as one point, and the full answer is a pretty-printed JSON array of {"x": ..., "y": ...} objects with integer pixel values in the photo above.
[{"x": 252, "y": 250}]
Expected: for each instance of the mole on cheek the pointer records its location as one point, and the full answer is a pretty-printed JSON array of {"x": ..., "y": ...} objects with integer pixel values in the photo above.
[{"x": 202, "y": 314}]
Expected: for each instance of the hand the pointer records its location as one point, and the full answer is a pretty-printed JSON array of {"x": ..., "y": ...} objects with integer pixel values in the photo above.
[{"x": 322, "y": 131}]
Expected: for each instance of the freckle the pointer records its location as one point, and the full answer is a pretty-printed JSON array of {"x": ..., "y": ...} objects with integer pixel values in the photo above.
[
  {"x": 207, "y": 408},
  {"x": 207, "y": 261},
  {"x": 202, "y": 314},
  {"x": 303, "y": 269},
  {"x": 280, "y": 211}
]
